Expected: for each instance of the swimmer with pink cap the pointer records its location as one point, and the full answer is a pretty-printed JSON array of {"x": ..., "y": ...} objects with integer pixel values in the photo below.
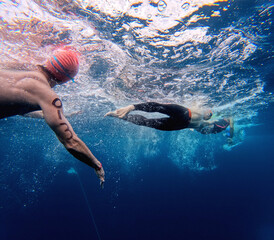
[{"x": 30, "y": 93}]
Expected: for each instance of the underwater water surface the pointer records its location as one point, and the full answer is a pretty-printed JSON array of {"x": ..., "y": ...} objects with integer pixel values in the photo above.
[{"x": 214, "y": 54}]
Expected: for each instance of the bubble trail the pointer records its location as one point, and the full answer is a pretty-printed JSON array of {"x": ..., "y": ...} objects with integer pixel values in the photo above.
[{"x": 72, "y": 171}]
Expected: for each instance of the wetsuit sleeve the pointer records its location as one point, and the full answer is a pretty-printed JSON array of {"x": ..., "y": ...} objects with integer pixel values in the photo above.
[
  {"x": 213, "y": 127},
  {"x": 206, "y": 128},
  {"x": 220, "y": 125}
]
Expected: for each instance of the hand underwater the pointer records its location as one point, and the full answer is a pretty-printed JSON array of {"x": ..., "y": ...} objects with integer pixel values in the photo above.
[{"x": 101, "y": 175}]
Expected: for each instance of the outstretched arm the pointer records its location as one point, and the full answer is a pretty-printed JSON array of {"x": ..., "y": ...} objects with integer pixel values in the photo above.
[
  {"x": 230, "y": 131},
  {"x": 53, "y": 115}
]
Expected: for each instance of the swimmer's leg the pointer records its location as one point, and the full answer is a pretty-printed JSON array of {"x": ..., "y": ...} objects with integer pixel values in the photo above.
[
  {"x": 158, "y": 123},
  {"x": 151, "y": 107},
  {"x": 146, "y": 107},
  {"x": 172, "y": 110}
]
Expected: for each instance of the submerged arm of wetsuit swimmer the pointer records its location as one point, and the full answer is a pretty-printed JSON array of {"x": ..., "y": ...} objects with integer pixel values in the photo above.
[
  {"x": 231, "y": 125},
  {"x": 230, "y": 131},
  {"x": 216, "y": 127},
  {"x": 205, "y": 127},
  {"x": 53, "y": 115}
]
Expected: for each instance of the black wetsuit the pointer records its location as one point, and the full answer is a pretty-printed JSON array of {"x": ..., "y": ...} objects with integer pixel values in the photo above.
[
  {"x": 214, "y": 127},
  {"x": 179, "y": 117}
]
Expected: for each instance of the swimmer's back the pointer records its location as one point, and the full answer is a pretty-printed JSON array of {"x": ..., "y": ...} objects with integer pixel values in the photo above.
[{"x": 19, "y": 91}]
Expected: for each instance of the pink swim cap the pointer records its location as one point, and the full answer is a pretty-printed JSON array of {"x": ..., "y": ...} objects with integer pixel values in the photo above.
[{"x": 63, "y": 64}]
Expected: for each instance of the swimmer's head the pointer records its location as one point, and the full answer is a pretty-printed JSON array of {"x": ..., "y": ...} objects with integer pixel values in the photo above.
[
  {"x": 207, "y": 114},
  {"x": 63, "y": 64}
]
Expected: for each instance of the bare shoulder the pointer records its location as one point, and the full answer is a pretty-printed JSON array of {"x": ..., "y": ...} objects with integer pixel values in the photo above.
[
  {"x": 14, "y": 76},
  {"x": 40, "y": 90},
  {"x": 32, "y": 81},
  {"x": 18, "y": 66},
  {"x": 36, "y": 86}
]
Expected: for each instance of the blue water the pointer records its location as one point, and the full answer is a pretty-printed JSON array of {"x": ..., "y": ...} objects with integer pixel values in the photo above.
[
  {"x": 159, "y": 185},
  {"x": 234, "y": 201}
]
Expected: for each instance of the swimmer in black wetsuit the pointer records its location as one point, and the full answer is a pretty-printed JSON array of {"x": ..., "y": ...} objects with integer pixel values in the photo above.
[{"x": 179, "y": 118}]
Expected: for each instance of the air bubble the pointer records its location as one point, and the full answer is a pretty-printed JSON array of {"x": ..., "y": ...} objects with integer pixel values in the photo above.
[
  {"x": 185, "y": 6},
  {"x": 161, "y": 5}
]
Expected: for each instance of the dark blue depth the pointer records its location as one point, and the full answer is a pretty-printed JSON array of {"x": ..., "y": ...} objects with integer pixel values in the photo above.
[{"x": 234, "y": 201}]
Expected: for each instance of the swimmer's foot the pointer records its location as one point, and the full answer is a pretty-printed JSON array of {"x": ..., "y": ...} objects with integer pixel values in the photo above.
[{"x": 121, "y": 112}]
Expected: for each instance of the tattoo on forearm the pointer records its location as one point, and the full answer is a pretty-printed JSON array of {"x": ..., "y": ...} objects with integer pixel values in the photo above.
[
  {"x": 59, "y": 114},
  {"x": 58, "y": 104},
  {"x": 67, "y": 130}
]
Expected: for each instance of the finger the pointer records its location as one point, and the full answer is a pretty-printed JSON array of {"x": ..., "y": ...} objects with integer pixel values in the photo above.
[{"x": 102, "y": 184}]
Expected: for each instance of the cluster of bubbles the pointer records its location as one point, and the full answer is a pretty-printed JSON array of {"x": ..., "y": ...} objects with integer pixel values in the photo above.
[{"x": 28, "y": 165}]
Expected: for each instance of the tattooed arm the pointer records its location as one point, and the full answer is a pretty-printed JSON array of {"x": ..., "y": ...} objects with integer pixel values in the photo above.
[{"x": 53, "y": 115}]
